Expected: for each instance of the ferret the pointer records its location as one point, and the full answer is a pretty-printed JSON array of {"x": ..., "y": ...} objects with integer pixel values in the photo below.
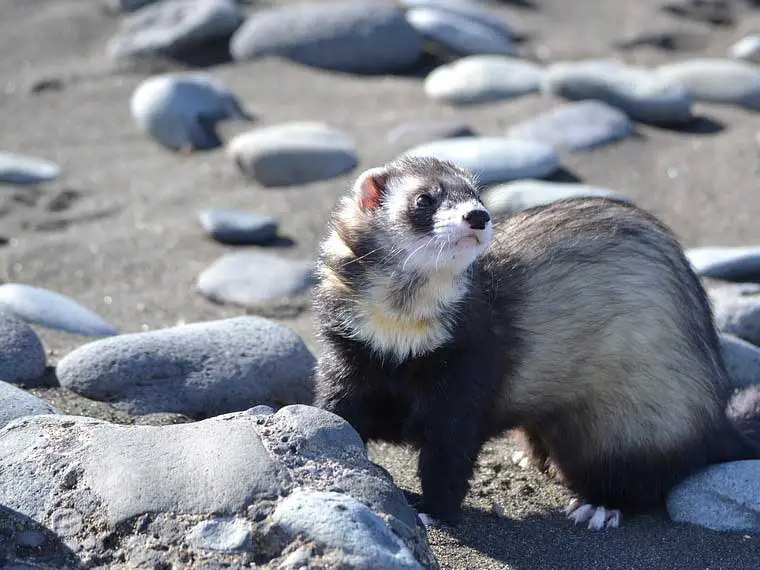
[{"x": 580, "y": 324}]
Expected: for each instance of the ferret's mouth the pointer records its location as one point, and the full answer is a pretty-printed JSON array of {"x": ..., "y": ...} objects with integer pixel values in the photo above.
[{"x": 469, "y": 240}]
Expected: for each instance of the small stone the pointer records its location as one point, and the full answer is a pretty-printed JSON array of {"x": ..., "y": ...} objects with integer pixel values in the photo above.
[
  {"x": 717, "y": 80},
  {"x": 21, "y": 169},
  {"x": 417, "y": 132},
  {"x": 16, "y": 403},
  {"x": 723, "y": 497},
  {"x": 293, "y": 153},
  {"x": 458, "y": 33},
  {"x": 237, "y": 227},
  {"x": 180, "y": 111},
  {"x": 643, "y": 94},
  {"x": 66, "y": 522},
  {"x": 736, "y": 311},
  {"x": 222, "y": 535},
  {"x": 172, "y": 27},
  {"x": 354, "y": 36},
  {"x": 342, "y": 523},
  {"x": 739, "y": 264},
  {"x": 478, "y": 79},
  {"x": 251, "y": 278},
  {"x": 494, "y": 159},
  {"x": 465, "y": 9},
  {"x": 747, "y": 48},
  {"x": 742, "y": 360},
  {"x": 204, "y": 368},
  {"x": 22, "y": 356},
  {"x": 582, "y": 125},
  {"x": 512, "y": 197},
  {"x": 52, "y": 310}
]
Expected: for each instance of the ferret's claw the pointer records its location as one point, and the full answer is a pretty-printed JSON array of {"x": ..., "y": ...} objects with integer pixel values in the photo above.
[{"x": 598, "y": 517}]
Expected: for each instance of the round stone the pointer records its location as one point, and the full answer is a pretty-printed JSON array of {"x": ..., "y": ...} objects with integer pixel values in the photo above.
[
  {"x": 494, "y": 159},
  {"x": 172, "y": 27},
  {"x": 740, "y": 264},
  {"x": 180, "y": 111},
  {"x": 523, "y": 194},
  {"x": 466, "y": 10},
  {"x": 483, "y": 78},
  {"x": 293, "y": 153},
  {"x": 458, "y": 33},
  {"x": 22, "y": 356},
  {"x": 18, "y": 403},
  {"x": 717, "y": 80},
  {"x": 236, "y": 227},
  {"x": 21, "y": 169},
  {"x": 747, "y": 48},
  {"x": 356, "y": 36},
  {"x": 251, "y": 278},
  {"x": 581, "y": 125},
  {"x": 643, "y": 94}
]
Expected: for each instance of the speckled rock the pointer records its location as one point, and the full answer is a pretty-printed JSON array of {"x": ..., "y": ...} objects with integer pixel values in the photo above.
[
  {"x": 577, "y": 126},
  {"x": 717, "y": 80},
  {"x": 493, "y": 159},
  {"x": 724, "y": 497},
  {"x": 504, "y": 199},
  {"x": 643, "y": 94},
  {"x": 180, "y": 110},
  {"x": 479, "y": 79},
  {"x": 199, "y": 369},
  {"x": 742, "y": 360},
  {"x": 174, "y": 27},
  {"x": 52, "y": 310},
  {"x": 225, "y": 486},
  {"x": 16, "y": 403},
  {"x": 293, "y": 153},
  {"x": 739, "y": 264},
  {"x": 358, "y": 36},
  {"x": 253, "y": 278},
  {"x": 21, "y": 169},
  {"x": 22, "y": 356}
]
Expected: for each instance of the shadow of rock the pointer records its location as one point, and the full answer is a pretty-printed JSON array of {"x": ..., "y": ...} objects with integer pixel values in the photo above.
[
  {"x": 699, "y": 125},
  {"x": 562, "y": 174}
]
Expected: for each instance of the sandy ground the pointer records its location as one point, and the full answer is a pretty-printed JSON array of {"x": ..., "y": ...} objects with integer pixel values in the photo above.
[{"x": 119, "y": 233}]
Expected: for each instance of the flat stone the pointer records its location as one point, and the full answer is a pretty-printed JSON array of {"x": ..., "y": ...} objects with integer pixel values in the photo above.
[
  {"x": 412, "y": 133},
  {"x": 747, "y": 48},
  {"x": 465, "y": 9},
  {"x": 739, "y": 264},
  {"x": 180, "y": 110},
  {"x": 127, "y": 5},
  {"x": 252, "y": 278},
  {"x": 199, "y": 369},
  {"x": 494, "y": 159},
  {"x": 478, "y": 79},
  {"x": 201, "y": 488},
  {"x": 512, "y": 197},
  {"x": 21, "y": 169},
  {"x": 742, "y": 360},
  {"x": 22, "y": 356},
  {"x": 52, "y": 310},
  {"x": 736, "y": 310},
  {"x": 16, "y": 403},
  {"x": 237, "y": 227},
  {"x": 724, "y": 497},
  {"x": 173, "y": 27},
  {"x": 337, "y": 522},
  {"x": 354, "y": 36},
  {"x": 717, "y": 80},
  {"x": 577, "y": 126},
  {"x": 643, "y": 94},
  {"x": 293, "y": 153},
  {"x": 457, "y": 33}
]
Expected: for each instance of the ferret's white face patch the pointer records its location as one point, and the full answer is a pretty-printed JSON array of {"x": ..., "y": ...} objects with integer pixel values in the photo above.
[{"x": 461, "y": 241}]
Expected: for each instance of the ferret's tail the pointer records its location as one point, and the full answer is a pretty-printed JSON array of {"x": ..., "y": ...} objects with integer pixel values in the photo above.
[{"x": 743, "y": 411}]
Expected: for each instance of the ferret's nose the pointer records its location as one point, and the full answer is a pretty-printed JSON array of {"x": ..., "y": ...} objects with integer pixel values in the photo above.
[{"x": 477, "y": 219}]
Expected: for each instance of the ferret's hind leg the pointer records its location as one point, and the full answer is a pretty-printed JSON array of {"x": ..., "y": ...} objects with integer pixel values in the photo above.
[
  {"x": 598, "y": 517},
  {"x": 531, "y": 450}
]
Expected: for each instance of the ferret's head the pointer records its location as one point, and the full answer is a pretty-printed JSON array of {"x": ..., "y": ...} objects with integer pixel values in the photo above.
[{"x": 423, "y": 213}]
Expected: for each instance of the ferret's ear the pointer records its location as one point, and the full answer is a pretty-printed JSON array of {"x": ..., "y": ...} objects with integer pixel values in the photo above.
[{"x": 370, "y": 188}]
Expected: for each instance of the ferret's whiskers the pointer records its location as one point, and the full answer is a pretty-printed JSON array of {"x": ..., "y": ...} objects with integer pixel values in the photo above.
[{"x": 427, "y": 243}]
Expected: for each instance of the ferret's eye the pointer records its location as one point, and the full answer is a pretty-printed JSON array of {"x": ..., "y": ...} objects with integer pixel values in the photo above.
[{"x": 424, "y": 201}]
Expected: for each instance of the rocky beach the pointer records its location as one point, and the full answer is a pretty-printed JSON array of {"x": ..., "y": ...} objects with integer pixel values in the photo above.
[{"x": 167, "y": 168}]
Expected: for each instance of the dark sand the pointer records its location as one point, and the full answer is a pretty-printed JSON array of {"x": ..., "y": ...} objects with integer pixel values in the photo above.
[{"x": 119, "y": 233}]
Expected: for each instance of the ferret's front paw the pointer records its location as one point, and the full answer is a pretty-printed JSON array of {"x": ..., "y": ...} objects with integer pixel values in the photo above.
[{"x": 598, "y": 517}]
